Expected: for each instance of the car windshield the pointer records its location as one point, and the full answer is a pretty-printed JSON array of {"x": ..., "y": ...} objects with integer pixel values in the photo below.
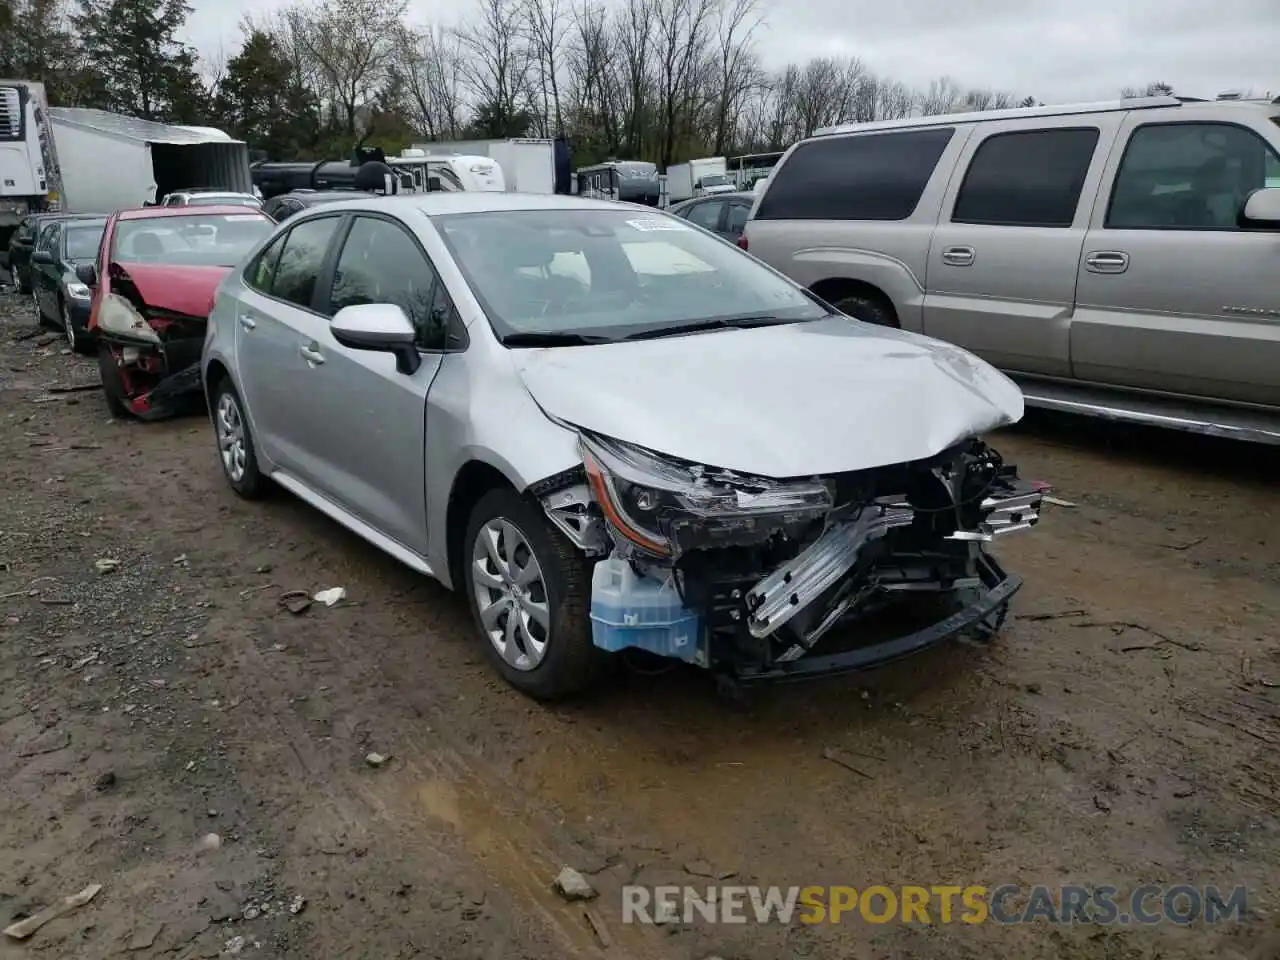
[
  {"x": 212, "y": 240},
  {"x": 612, "y": 274},
  {"x": 82, "y": 242}
]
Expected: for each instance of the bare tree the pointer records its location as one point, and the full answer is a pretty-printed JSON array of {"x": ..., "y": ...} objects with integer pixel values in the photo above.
[
  {"x": 1157, "y": 88},
  {"x": 636, "y": 43},
  {"x": 737, "y": 73},
  {"x": 545, "y": 25},
  {"x": 430, "y": 62},
  {"x": 351, "y": 45},
  {"x": 942, "y": 96},
  {"x": 594, "y": 76},
  {"x": 497, "y": 60}
]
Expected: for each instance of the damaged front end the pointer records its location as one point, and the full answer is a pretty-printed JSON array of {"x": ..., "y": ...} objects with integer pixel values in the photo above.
[
  {"x": 746, "y": 576},
  {"x": 148, "y": 356}
]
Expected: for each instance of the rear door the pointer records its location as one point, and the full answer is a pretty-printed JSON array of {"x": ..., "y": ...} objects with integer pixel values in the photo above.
[
  {"x": 275, "y": 316},
  {"x": 1173, "y": 294},
  {"x": 44, "y": 276},
  {"x": 1001, "y": 273},
  {"x": 367, "y": 420}
]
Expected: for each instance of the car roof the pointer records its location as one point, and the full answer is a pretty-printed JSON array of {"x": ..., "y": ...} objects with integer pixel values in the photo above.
[
  {"x": 445, "y": 203},
  {"x": 212, "y": 210},
  {"x": 43, "y": 217}
]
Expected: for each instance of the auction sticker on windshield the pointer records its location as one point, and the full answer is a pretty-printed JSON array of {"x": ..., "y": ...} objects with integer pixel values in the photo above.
[{"x": 650, "y": 224}]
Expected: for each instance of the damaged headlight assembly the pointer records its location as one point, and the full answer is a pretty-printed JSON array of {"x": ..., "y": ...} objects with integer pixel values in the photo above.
[
  {"x": 745, "y": 574},
  {"x": 664, "y": 508}
]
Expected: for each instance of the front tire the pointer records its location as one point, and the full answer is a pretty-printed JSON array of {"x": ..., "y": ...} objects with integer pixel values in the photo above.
[
  {"x": 78, "y": 340},
  {"x": 113, "y": 390},
  {"x": 235, "y": 443},
  {"x": 867, "y": 309},
  {"x": 529, "y": 591}
]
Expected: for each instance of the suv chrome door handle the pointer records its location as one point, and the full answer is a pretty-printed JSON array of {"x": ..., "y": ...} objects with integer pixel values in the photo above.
[
  {"x": 959, "y": 256},
  {"x": 311, "y": 353},
  {"x": 1107, "y": 261},
  {"x": 247, "y": 321}
]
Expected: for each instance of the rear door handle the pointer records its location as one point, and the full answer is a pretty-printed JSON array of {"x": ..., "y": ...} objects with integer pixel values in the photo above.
[
  {"x": 247, "y": 321},
  {"x": 1107, "y": 261},
  {"x": 311, "y": 353},
  {"x": 959, "y": 256}
]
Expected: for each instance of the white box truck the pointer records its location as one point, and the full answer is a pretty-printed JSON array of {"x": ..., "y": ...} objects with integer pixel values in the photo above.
[
  {"x": 528, "y": 165},
  {"x": 698, "y": 178},
  {"x": 111, "y": 162},
  {"x": 29, "y": 181}
]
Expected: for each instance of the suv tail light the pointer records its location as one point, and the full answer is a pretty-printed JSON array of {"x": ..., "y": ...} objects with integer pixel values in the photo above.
[{"x": 742, "y": 241}]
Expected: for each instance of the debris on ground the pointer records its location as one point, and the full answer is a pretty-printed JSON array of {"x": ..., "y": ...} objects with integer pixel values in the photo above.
[
  {"x": 297, "y": 905},
  {"x": 295, "y": 601},
  {"x": 331, "y": 596},
  {"x": 106, "y": 564},
  {"x": 375, "y": 759},
  {"x": 25, "y": 928},
  {"x": 210, "y": 841},
  {"x": 572, "y": 885}
]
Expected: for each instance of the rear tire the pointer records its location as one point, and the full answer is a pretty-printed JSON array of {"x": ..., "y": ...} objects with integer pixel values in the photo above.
[
  {"x": 569, "y": 662},
  {"x": 235, "y": 443},
  {"x": 113, "y": 390}
]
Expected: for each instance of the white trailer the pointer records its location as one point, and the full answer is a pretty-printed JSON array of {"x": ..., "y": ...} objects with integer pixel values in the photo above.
[
  {"x": 29, "y": 180},
  {"x": 528, "y": 165},
  {"x": 453, "y": 172},
  {"x": 111, "y": 162},
  {"x": 698, "y": 178}
]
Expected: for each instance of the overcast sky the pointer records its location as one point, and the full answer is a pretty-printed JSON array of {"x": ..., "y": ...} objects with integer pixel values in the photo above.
[{"x": 1055, "y": 50}]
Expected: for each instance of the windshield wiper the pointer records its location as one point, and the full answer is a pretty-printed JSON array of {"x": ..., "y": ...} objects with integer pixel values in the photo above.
[
  {"x": 553, "y": 339},
  {"x": 716, "y": 323}
]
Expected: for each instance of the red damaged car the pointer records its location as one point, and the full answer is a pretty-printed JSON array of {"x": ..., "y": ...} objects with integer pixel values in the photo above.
[{"x": 153, "y": 287}]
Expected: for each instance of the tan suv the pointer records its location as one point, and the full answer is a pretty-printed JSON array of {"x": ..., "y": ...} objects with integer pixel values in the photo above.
[{"x": 1118, "y": 259}]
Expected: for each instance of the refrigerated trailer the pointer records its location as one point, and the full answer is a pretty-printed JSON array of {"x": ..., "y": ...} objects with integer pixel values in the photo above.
[
  {"x": 111, "y": 162},
  {"x": 29, "y": 179}
]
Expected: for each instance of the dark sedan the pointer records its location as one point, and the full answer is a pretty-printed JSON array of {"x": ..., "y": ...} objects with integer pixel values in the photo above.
[
  {"x": 285, "y": 205},
  {"x": 59, "y": 294},
  {"x": 23, "y": 241},
  {"x": 722, "y": 213}
]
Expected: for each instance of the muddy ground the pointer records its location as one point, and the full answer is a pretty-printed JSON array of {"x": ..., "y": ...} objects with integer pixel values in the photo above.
[{"x": 1122, "y": 731}]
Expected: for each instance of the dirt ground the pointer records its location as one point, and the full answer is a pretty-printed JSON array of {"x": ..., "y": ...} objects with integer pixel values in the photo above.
[{"x": 1123, "y": 730}]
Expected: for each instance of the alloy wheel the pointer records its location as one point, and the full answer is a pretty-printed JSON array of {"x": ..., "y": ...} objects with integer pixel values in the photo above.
[
  {"x": 69, "y": 327},
  {"x": 510, "y": 593},
  {"x": 229, "y": 425}
]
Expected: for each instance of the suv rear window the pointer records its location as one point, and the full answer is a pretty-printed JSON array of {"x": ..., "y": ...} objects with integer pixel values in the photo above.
[
  {"x": 1026, "y": 179},
  {"x": 872, "y": 176}
]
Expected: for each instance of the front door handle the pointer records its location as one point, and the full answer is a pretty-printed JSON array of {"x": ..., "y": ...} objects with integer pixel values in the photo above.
[
  {"x": 959, "y": 256},
  {"x": 1107, "y": 261},
  {"x": 247, "y": 321},
  {"x": 311, "y": 353}
]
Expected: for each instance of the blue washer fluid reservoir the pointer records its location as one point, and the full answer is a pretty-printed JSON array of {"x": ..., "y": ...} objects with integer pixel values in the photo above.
[{"x": 629, "y": 610}]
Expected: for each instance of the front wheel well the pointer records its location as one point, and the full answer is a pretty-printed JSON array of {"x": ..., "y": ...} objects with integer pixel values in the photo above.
[
  {"x": 474, "y": 480},
  {"x": 835, "y": 289},
  {"x": 214, "y": 374}
]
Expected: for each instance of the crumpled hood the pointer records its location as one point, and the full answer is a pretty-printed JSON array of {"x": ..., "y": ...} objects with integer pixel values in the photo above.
[
  {"x": 182, "y": 289},
  {"x": 786, "y": 401}
]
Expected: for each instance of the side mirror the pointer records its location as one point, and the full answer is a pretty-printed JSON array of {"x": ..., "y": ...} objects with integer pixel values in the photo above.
[
  {"x": 41, "y": 256},
  {"x": 87, "y": 274},
  {"x": 1262, "y": 209},
  {"x": 378, "y": 326}
]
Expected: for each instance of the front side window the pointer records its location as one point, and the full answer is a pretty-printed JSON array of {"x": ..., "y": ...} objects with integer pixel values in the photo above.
[
  {"x": 1189, "y": 176},
  {"x": 48, "y": 237},
  {"x": 298, "y": 270},
  {"x": 262, "y": 272},
  {"x": 1030, "y": 178},
  {"x": 381, "y": 263},
  {"x": 872, "y": 176},
  {"x": 208, "y": 240},
  {"x": 82, "y": 242},
  {"x": 606, "y": 273}
]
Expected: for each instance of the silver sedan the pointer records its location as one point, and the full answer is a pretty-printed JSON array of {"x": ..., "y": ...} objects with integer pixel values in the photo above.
[{"x": 615, "y": 432}]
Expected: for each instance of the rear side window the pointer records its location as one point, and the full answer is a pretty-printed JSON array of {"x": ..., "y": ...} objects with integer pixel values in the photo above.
[
  {"x": 1026, "y": 179},
  {"x": 876, "y": 176},
  {"x": 262, "y": 271},
  {"x": 298, "y": 269}
]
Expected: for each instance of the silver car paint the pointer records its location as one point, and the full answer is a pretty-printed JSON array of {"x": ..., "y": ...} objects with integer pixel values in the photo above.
[
  {"x": 1196, "y": 314},
  {"x": 848, "y": 396},
  {"x": 811, "y": 398}
]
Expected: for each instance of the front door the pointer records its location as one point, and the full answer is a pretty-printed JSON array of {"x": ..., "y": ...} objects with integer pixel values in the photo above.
[
  {"x": 1173, "y": 295},
  {"x": 370, "y": 419},
  {"x": 44, "y": 276},
  {"x": 275, "y": 313},
  {"x": 1001, "y": 273}
]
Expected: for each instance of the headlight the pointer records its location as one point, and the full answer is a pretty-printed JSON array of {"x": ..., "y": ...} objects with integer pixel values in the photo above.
[
  {"x": 79, "y": 291},
  {"x": 664, "y": 506}
]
